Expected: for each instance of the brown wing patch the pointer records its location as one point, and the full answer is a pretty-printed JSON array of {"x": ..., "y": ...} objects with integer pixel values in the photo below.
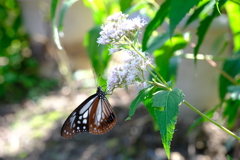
[{"x": 103, "y": 117}]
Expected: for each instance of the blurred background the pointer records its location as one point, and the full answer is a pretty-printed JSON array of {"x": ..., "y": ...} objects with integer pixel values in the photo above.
[{"x": 42, "y": 82}]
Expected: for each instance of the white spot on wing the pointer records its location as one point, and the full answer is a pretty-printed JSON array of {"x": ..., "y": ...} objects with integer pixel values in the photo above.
[
  {"x": 84, "y": 121},
  {"x": 85, "y": 114},
  {"x": 72, "y": 120}
]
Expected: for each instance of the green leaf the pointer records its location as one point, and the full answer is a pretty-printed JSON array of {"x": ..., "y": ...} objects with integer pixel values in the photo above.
[
  {"x": 234, "y": 92},
  {"x": 157, "y": 21},
  {"x": 101, "y": 9},
  {"x": 217, "y": 6},
  {"x": 148, "y": 103},
  {"x": 135, "y": 8},
  {"x": 231, "y": 66},
  {"x": 178, "y": 9},
  {"x": 233, "y": 12},
  {"x": 163, "y": 54},
  {"x": 231, "y": 111},
  {"x": 53, "y": 8},
  {"x": 98, "y": 54},
  {"x": 196, "y": 14},
  {"x": 166, "y": 119},
  {"x": 204, "y": 25},
  {"x": 140, "y": 98},
  {"x": 125, "y": 4},
  {"x": 229, "y": 158},
  {"x": 63, "y": 10},
  {"x": 158, "y": 42},
  {"x": 173, "y": 67}
]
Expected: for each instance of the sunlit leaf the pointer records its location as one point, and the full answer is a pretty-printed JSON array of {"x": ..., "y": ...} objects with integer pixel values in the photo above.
[
  {"x": 233, "y": 12},
  {"x": 178, "y": 9},
  {"x": 166, "y": 119},
  {"x": 204, "y": 25},
  {"x": 217, "y": 6}
]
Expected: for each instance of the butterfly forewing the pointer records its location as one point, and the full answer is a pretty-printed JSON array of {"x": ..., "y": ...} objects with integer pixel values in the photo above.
[{"x": 94, "y": 115}]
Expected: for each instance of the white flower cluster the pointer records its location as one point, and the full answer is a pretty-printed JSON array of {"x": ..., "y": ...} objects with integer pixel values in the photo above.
[
  {"x": 118, "y": 26},
  {"x": 117, "y": 33},
  {"x": 130, "y": 72}
]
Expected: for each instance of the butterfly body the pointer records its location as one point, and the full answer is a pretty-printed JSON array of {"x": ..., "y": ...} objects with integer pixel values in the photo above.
[{"x": 95, "y": 115}]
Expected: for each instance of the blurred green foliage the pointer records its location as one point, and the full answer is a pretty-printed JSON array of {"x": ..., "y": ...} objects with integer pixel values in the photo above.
[{"x": 18, "y": 70}]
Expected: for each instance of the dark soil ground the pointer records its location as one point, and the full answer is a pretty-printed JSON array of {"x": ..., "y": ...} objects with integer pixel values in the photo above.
[{"x": 31, "y": 131}]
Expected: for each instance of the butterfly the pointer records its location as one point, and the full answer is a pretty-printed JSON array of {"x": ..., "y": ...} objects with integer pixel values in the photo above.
[{"x": 94, "y": 115}]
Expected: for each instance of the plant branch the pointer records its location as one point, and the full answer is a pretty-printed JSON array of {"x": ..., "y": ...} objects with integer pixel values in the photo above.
[
  {"x": 223, "y": 73},
  {"x": 209, "y": 119}
]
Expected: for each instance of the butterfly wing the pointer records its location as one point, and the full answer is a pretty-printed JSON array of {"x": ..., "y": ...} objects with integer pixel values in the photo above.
[
  {"x": 94, "y": 115},
  {"x": 102, "y": 117},
  {"x": 77, "y": 121}
]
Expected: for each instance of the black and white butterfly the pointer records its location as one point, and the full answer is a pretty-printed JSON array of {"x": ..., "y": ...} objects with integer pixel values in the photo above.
[{"x": 94, "y": 115}]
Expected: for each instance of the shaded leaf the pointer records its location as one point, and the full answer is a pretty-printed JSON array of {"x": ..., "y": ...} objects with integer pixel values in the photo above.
[
  {"x": 140, "y": 98},
  {"x": 196, "y": 14},
  {"x": 157, "y": 21},
  {"x": 232, "y": 67},
  {"x": 234, "y": 92},
  {"x": 233, "y": 12},
  {"x": 178, "y": 9},
  {"x": 158, "y": 42},
  {"x": 98, "y": 54},
  {"x": 125, "y": 4},
  {"x": 173, "y": 67},
  {"x": 231, "y": 111},
  {"x": 63, "y": 10},
  {"x": 53, "y": 8},
  {"x": 229, "y": 158},
  {"x": 166, "y": 119}
]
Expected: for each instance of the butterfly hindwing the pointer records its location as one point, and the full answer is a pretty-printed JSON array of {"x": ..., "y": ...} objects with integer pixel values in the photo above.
[
  {"x": 94, "y": 115},
  {"x": 103, "y": 117}
]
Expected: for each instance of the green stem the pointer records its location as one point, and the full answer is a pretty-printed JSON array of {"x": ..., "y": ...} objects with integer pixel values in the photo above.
[
  {"x": 209, "y": 119},
  {"x": 155, "y": 76},
  {"x": 159, "y": 85}
]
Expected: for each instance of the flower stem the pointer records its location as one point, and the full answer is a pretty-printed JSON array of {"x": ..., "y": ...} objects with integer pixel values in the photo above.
[{"x": 209, "y": 119}]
